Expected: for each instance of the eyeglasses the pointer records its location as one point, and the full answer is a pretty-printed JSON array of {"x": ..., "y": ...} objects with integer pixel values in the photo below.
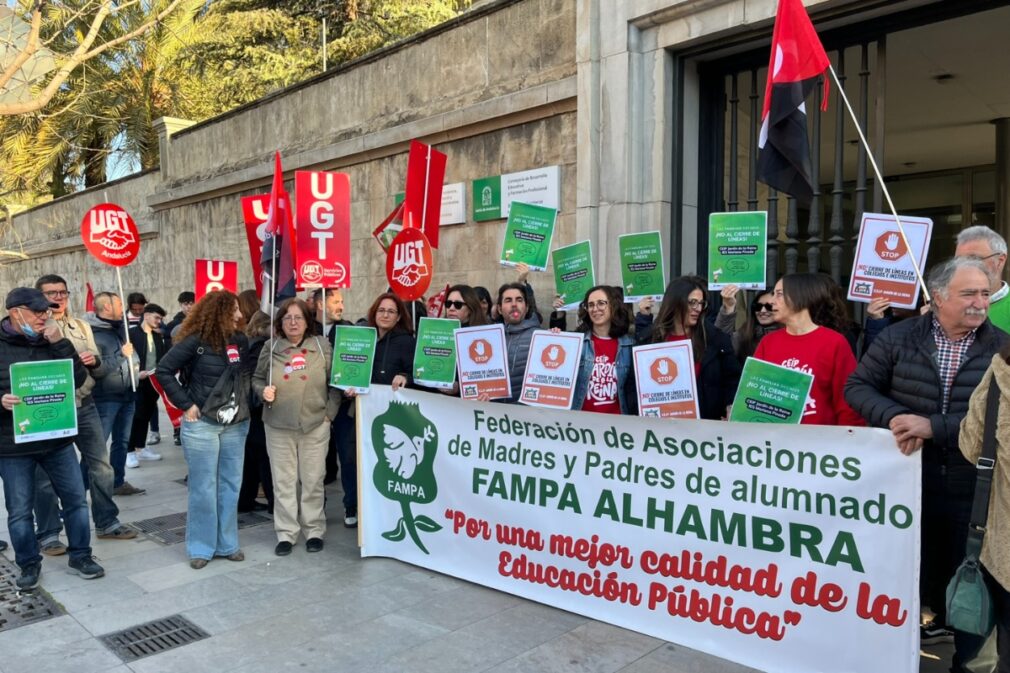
[
  {"x": 386, "y": 311},
  {"x": 451, "y": 304},
  {"x": 57, "y": 294},
  {"x": 697, "y": 303},
  {"x": 982, "y": 259},
  {"x": 761, "y": 306},
  {"x": 602, "y": 304},
  {"x": 38, "y": 314},
  {"x": 294, "y": 318}
]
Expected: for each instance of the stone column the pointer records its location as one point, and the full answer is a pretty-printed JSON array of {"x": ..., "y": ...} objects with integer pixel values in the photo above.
[{"x": 165, "y": 127}]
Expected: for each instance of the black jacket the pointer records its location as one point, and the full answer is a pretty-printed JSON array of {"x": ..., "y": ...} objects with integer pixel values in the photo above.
[
  {"x": 167, "y": 328},
  {"x": 899, "y": 375},
  {"x": 18, "y": 348},
  {"x": 394, "y": 354},
  {"x": 139, "y": 340},
  {"x": 720, "y": 370},
  {"x": 112, "y": 376},
  {"x": 202, "y": 366}
]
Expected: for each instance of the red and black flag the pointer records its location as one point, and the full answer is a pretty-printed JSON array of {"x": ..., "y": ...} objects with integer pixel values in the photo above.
[
  {"x": 797, "y": 60},
  {"x": 277, "y": 254}
]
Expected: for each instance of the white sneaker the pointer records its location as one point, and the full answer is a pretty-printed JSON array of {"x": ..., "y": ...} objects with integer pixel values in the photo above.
[
  {"x": 153, "y": 438},
  {"x": 131, "y": 459},
  {"x": 146, "y": 454}
]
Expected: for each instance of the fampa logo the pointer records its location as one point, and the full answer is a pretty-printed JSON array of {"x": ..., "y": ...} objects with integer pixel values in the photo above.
[
  {"x": 890, "y": 246},
  {"x": 405, "y": 443},
  {"x": 663, "y": 371},
  {"x": 480, "y": 351},
  {"x": 552, "y": 357}
]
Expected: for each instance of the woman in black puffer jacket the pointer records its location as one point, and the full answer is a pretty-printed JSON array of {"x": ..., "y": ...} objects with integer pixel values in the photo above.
[
  {"x": 212, "y": 356},
  {"x": 394, "y": 347}
]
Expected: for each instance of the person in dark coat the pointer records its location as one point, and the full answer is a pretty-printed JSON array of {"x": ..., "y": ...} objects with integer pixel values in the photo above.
[
  {"x": 256, "y": 468},
  {"x": 394, "y": 346},
  {"x": 149, "y": 345},
  {"x": 916, "y": 380},
  {"x": 681, "y": 318},
  {"x": 24, "y": 338}
]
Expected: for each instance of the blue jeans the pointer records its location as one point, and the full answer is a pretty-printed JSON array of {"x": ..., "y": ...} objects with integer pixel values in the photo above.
[
  {"x": 117, "y": 421},
  {"x": 214, "y": 454},
  {"x": 95, "y": 456},
  {"x": 18, "y": 474}
]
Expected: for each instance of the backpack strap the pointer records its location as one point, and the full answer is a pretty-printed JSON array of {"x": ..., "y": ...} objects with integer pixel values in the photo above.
[{"x": 983, "y": 474}]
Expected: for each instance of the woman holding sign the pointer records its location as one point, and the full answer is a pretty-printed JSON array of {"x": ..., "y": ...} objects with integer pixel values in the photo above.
[
  {"x": 807, "y": 306},
  {"x": 394, "y": 349},
  {"x": 681, "y": 318},
  {"x": 292, "y": 377},
  {"x": 212, "y": 356},
  {"x": 606, "y": 381},
  {"x": 463, "y": 304}
]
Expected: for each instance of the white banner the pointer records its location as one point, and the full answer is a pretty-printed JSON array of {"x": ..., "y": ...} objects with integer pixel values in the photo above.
[{"x": 783, "y": 548}]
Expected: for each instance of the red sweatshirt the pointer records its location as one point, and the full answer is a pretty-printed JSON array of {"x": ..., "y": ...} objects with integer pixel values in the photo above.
[{"x": 827, "y": 355}]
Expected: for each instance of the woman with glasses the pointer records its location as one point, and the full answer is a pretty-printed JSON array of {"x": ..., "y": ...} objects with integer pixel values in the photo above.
[
  {"x": 606, "y": 380},
  {"x": 682, "y": 318},
  {"x": 463, "y": 304},
  {"x": 809, "y": 308},
  {"x": 292, "y": 377},
  {"x": 760, "y": 321},
  {"x": 394, "y": 346}
]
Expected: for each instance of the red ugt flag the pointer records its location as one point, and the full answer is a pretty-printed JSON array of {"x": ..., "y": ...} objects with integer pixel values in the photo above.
[
  {"x": 797, "y": 59},
  {"x": 277, "y": 253}
]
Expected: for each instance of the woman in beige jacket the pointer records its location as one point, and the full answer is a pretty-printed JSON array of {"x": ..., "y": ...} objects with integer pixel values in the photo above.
[
  {"x": 299, "y": 405},
  {"x": 996, "y": 545}
]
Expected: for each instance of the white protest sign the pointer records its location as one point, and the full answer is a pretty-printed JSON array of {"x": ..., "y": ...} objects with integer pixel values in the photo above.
[
  {"x": 480, "y": 360},
  {"x": 665, "y": 380},
  {"x": 882, "y": 266},
  {"x": 551, "y": 369}
]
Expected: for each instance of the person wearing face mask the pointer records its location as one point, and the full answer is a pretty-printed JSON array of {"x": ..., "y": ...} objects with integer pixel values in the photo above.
[
  {"x": 24, "y": 338},
  {"x": 682, "y": 318},
  {"x": 606, "y": 379},
  {"x": 760, "y": 321},
  {"x": 113, "y": 391}
]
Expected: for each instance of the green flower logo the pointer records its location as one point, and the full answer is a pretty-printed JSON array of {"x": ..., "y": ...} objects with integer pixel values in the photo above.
[{"x": 405, "y": 443}]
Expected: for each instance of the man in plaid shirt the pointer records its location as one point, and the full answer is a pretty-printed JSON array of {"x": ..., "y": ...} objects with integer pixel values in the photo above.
[{"x": 916, "y": 379}]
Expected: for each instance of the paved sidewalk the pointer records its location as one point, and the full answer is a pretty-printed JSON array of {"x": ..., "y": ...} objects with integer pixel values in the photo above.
[{"x": 326, "y": 612}]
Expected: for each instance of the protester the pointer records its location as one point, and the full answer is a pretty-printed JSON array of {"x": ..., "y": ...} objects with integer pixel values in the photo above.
[
  {"x": 463, "y": 304},
  {"x": 292, "y": 377},
  {"x": 213, "y": 358},
  {"x": 606, "y": 378},
  {"x": 520, "y": 323},
  {"x": 681, "y": 318},
  {"x": 90, "y": 439},
  {"x": 113, "y": 391},
  {"x": 805, "y": 304},
  {"x": 394, "y": 346},
  {"x": 760, "y": 321},
  {"x": 996, "y": 542},
  {"x": 24, "y": 337},
  {"x": 149, "y": 345},
  {"x": 256, "y": 466},
  {"x": 249, "y": 304},
  {"x": 334, "y": 307},
  {"x": 916, "y": 380},
  {"x": 486, "y": 303},
  {"x": 186, "y": 301},
  {"x": 135, "y": 302},
  {"x": 985, "y": 244}
]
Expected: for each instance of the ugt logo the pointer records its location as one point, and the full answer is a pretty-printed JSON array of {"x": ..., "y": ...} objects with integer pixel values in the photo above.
[
  {"x": 109, "y": 229},
  {"x": 890, "y": 246},
  {"x": 408, "y": 263},
  {"x": 405, "y": 443}
]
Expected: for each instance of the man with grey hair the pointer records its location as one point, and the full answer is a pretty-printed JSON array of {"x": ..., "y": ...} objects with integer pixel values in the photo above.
[
  {"x": 985, "y": 244},
  {"x": 916, "y": 380}
]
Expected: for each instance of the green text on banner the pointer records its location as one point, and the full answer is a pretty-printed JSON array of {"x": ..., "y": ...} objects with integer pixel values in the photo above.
[
  {"x": 481, "y": 362},
  {"x": 48, "y": 409},
  {"x": 353, "y": 353},
  {"x": 737, "y": 250},
  {"x": 665, "y": 380},
  {"x": 551, "y": 369},
  {"x": 771, "y": 393},
  {"x": 882, "y": 266},
  {"x": 573, "y": 273},
  {"x": 435, "y": 353},
  {"x": 642, "y": 268},
  {"x": 757, "y": 543},
  {"x": 528, "y": 235}
]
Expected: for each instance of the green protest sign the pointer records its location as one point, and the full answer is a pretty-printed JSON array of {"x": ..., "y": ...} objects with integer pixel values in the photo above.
[
  {"x": 642, "y": 270},
  {"x": 528, "y": 235},
  {"x": 737, "y": 250},
  {"x": 435, "y": 353},
  {"x": 48, "y": 408},
  {"x": 771, "y": 393},
  {"x": 353, "y": 353},
  {"x": 573, "y": 272},
  {"x": 487, "y": 199}
]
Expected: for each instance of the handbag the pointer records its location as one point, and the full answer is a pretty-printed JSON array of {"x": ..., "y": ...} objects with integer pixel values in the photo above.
[{"x": 969, "y": 604}]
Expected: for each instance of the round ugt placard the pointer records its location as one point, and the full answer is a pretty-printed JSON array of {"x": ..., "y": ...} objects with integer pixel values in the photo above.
[
  {"x": 409, "y": 265},
  {"x": 110, "y": 234}
]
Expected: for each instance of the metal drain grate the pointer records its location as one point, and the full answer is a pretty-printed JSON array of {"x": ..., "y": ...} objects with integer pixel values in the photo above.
[
  {"x": 171, "y": 528},
  {"x": 160, "y": 635},
  {"x": 19, "y": 609}
]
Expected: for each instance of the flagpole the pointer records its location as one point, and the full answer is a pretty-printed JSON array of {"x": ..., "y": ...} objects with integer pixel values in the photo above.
[
  {"x": 880, "y": 181},
  {"x": 273, "y": 310}
]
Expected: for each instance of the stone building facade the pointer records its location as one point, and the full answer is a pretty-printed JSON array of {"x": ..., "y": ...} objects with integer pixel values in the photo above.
[{"x": 632, "y": 99}]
